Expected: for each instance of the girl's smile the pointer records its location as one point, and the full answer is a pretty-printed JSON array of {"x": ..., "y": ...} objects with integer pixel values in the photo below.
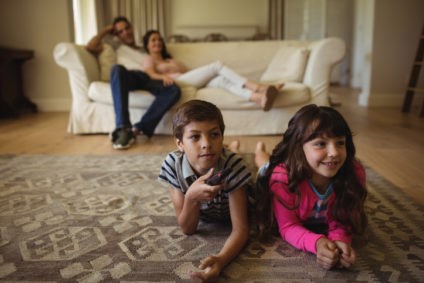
[{"x": 325, "y": 156}]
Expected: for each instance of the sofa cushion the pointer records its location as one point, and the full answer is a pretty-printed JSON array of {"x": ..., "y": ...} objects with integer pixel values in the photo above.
[
  {"x": 291, "y": 94},
  {"x": 107, "y": 58},
  {"x": 288, "y": 64},
  {"x": 100, "y": 92}
]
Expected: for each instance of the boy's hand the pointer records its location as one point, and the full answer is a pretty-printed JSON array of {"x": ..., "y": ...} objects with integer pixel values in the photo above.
[
  {"x": 200, "y": 191},
  {"x": 212, "y": 267},
  {"x": 348, "y": 255},
  {"x": 327, "y": 253}
]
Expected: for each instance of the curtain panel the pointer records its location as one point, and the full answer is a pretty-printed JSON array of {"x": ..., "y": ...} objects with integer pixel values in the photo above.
[
  {"x": 276, "y": 19},
  {"x": 143, "y": 14}
]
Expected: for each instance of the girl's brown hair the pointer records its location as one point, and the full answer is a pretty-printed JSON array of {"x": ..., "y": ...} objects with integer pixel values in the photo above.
[
  {"x": 308, "y": 123},
  {"x": 146, "y": 37}
]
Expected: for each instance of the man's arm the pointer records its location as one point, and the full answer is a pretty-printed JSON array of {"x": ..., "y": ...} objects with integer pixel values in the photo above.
[{"x": 95, "y": 45}]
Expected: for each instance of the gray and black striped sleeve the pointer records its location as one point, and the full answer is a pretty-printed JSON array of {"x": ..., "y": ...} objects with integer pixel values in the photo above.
[
  {"x": 240, "y": 174},
  {"x": 168, "y": 171}
]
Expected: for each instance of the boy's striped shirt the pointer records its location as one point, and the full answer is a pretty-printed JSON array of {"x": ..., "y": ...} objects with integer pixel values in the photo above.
[{"x": 177, "y": 172}]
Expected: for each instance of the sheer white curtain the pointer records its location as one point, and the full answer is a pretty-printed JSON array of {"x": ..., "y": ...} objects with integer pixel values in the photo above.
[
  {"x": 91, "y": 16},
  {"x": 276, "y": 19},
  {"x": 85, "y": 21},
  {"x": 143, "y": 14}
]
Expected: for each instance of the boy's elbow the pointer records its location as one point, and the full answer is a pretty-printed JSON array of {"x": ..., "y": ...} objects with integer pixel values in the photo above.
[{"x": 188, "y": 232}]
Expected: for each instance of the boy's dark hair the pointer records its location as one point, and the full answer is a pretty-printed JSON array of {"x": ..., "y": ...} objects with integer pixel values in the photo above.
[
  {"x": 146, "y": 37},
  {"x": 195, "y": 110},
  {"x": 120, "y": 19}
]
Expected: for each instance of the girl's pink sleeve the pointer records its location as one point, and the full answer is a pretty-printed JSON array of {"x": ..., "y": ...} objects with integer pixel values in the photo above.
[
  {"x": 337, "y": 231},
  {"x": 289, "y": 223}
]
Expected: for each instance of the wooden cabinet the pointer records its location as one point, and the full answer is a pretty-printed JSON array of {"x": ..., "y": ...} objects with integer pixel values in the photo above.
[{"x": 12, "y": 98}]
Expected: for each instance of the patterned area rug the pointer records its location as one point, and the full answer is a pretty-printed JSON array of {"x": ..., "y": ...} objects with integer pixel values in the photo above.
[{"x": 107, "y": 219}]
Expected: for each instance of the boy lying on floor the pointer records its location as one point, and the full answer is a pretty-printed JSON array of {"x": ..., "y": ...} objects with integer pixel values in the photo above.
[{"x": 198, "y": 129}]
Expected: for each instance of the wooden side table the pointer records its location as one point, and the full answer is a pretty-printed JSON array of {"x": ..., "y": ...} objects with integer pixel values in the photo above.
[{"x": 12, "y": 98}]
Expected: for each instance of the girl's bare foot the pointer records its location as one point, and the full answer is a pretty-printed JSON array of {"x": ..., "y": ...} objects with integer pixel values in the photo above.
[
  {"x": 234, "y": 146},
  {"x": 261, "y": 156}
]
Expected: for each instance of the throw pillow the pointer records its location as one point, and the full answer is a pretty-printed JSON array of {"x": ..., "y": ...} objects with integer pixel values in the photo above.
[
  {"x": 288, "y": 64},
  {"x": 107, "y": 58}
]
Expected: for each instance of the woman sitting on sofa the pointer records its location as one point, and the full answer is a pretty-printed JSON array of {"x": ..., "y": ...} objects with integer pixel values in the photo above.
[{"x": 159, "y": 65}]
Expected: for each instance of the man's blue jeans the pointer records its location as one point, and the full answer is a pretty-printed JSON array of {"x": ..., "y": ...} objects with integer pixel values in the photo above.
[{"x": 123, "y": 81}]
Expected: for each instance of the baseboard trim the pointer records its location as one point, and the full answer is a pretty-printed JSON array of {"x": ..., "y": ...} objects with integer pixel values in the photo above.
[{"x": 52, "y": 105}]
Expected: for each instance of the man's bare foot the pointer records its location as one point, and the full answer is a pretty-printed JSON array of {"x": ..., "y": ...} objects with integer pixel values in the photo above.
[
  {"x": 261, "y": 156},
  {"x": 234, "y": 146}
]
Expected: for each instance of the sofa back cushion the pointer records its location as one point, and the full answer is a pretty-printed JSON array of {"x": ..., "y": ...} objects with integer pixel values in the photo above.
[
  {"x": 291, "y": 94},
  {"x": 130, "y": 58},
  {"x": 107, "y": 58},
  {"x": 288, "y": 64},
  {"x": 250, "y": 59}
]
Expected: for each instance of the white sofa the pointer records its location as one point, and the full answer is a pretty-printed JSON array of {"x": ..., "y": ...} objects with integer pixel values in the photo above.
[{"x": 305, "y": 67}]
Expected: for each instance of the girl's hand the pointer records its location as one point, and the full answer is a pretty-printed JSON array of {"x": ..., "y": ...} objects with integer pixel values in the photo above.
[
  {"x": 200, "y": 191},
  {"x": 212, "y": 267},
  {"x": 167, "y": 81},
  {"x": 348, "y": 255},
  {"x": 327, "y": 253}
]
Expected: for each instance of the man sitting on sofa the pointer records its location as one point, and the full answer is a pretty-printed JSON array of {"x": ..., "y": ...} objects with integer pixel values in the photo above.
[{"x": 122, "y": 81}]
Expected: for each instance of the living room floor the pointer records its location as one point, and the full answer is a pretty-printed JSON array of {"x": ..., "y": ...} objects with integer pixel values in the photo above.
[{"x": 390, "y": 142}]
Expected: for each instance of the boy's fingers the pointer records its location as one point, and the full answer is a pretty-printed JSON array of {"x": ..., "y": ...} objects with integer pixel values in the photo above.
[
  {"x": 197, "y": 276},
  {"x": 207, "y": 262},
  {"x": 208, "y": 174}
]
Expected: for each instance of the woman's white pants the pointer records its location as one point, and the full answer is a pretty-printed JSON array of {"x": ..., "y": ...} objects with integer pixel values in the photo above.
[{"x": 218, "y": 76}]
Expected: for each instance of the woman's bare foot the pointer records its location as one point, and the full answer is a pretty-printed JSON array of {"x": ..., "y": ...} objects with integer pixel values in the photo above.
[
  {"x": 261, "y": 156},
  {"x": 263, "y": 87},
  {"x": 234, "y": 146},
  {"x": 265, "y": 98},
  {"x": 263, "y": 94}
]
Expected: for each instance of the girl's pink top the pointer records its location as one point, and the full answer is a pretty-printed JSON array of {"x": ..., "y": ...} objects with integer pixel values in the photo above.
[{"x": 290, "y": 221}]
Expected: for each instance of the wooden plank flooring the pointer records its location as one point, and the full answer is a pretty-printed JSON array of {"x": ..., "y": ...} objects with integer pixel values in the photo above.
[{"x": 390, "y": 142}]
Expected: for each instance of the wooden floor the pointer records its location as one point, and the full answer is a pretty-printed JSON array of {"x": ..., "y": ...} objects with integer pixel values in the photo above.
[{"x": 388, "y": 141}]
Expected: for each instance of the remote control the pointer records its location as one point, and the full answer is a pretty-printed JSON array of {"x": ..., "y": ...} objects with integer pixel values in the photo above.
[{"x": 217, "y": 178}]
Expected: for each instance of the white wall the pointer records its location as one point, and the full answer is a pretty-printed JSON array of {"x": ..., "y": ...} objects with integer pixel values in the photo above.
[
  {"x": 396, "y": 28},
  {"x": 39, "y": 25},
  {"x": 317, "y": 19},
  {"x": 385, "y": 39},
  {"x": 200, "y": 15}
]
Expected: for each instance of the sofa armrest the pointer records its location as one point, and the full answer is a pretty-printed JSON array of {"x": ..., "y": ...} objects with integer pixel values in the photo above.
[
  {"x": 325, "y": 54},
  {"x": 82, "y": 67}
]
